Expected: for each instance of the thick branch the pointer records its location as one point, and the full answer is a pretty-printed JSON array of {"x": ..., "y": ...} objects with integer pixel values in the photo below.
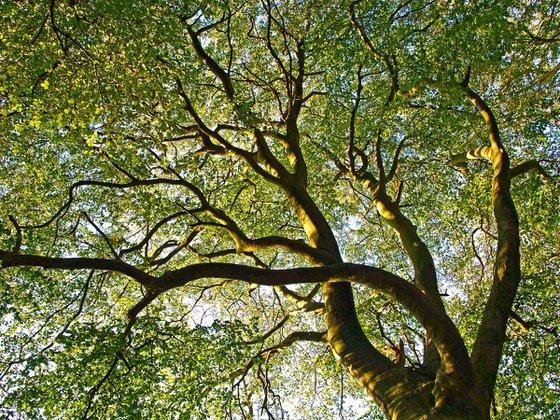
[
  {"x": 411, "y": 297},
  {"x": 245, "y": 244},
  {"x": 273, "y": 164},
  {"x": 487, "y": 349},
  {"x": 425, "y": 275},
  {"x": 460, "y": 160},
  {"x": 454, "y": 373},
  {"x": 438, "y": 324}
]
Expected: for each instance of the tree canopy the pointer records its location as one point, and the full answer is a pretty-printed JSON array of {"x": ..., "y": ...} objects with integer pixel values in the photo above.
[{"x": 279, "y": 209}]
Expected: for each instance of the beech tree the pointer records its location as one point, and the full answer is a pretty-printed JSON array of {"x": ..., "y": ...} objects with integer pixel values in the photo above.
[{"x": 204, "y": 202}]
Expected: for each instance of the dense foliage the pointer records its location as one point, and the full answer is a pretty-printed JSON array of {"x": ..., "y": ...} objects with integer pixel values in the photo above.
[{"x": 143, "y": 142}]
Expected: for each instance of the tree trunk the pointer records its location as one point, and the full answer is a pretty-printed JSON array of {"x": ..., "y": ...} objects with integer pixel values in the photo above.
[{"x": 403, "y": 394}]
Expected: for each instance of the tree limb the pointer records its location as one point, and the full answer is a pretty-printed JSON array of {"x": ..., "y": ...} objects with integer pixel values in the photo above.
[
  {"x": 488, "y": 346},
  {"x": 244, "y": 154},
  {"x": 389, "y": 60},
  {"x": 10, "y": 259},
  {"x": 527, "y": 166},
  {"x": 445, "y": 334},
  {"x": 425, "y": 275},
  {"x": 395, "y": 163},
  {"x": 210, "y": 63},
  {"x": 304, "y": 303},
  {"x": 404, "y": 292}
]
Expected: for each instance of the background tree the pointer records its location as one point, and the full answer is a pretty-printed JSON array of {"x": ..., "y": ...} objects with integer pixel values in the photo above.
[{"x": 222, "y": 195}]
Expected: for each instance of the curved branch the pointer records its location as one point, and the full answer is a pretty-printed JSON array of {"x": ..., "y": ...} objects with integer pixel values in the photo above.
[
  {"x": 460, "y": 159},
  {"x": 245, "y": 244},
  {"x": 272, "y": 51},
  {"x": 9, "y": 259},
  {"x": 445, "y": 335},
  {"x": 303, "y": 303},
  {"x": 133, "y": 312},
  {"x": 273, "y": 164},
  {"x": 313, "y": 255},
  {"x": 244, "y": 154},
  {"x": 425, "y": 276},
  {"x": 491, "y": 336},
  {"x": 527, "y": 166},
  {"x": 294, "y": 337},
  {"x": 131, "y": 184},
  {"x": 390, "y": 61},
  {"x": 455, "y": 372},
  {"x": 292, "y": 131}
]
